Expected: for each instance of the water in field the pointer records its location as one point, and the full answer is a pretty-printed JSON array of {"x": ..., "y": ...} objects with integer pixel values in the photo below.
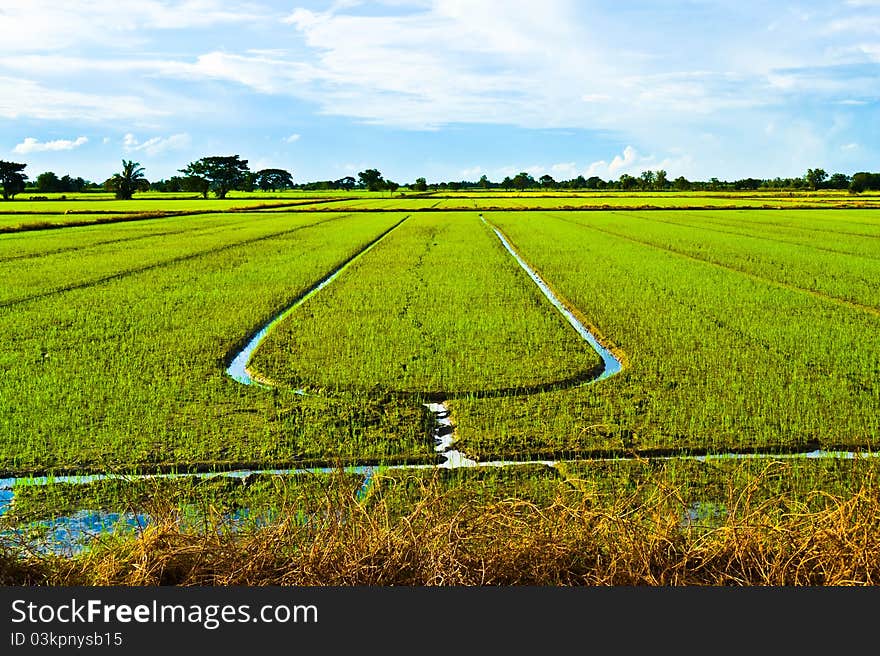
[
  {"x": 237, "y": 368},
  {"x": 610, "y": 361},
  {"x": 72, "y": 534}
]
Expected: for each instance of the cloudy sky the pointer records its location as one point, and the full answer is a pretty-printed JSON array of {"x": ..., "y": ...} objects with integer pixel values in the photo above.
[{"x": 445, "y": 89}]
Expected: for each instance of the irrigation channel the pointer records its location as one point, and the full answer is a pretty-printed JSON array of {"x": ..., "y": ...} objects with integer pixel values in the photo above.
[{"x": 66, "y": 534}]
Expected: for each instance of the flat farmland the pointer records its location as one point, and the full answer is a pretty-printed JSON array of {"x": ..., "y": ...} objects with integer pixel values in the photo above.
[
  {"x": 389, "y": 346},
  {"x": 739, "y": 331},
  {"x": 737, "y": 338}
]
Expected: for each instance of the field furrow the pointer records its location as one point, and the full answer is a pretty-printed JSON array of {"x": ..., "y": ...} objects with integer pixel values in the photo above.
[
  {"x": 438, "y": 309},
  {"x": 846, "y": 280}
]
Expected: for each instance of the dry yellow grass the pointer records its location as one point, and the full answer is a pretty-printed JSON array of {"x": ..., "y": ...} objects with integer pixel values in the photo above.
[{"x": 448, "y": 538}]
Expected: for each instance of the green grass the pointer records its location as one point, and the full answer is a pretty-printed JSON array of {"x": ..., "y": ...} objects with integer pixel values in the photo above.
[
  {"x": 123, "y": 366},
  {"x": 731, "y": 357},
  {"x": 439, "y": 308},
  {"x": 741, "y": 330}
]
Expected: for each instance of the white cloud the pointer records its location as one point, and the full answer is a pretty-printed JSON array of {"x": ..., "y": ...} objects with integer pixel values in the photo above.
[
  {"x": 547, "y": 65},
  {"x": 850, "y": 146},
  {"x": 40, "y": 25},
  {"x": 26, "y": 98},
  {"x": 32, "y": 145},
  {"x": 155, "y": 145},
  {"x": 291, "y": 139},
  {"x": 564, "y": 170}
]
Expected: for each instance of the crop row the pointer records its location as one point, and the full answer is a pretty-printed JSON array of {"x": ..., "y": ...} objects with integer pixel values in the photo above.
[
  {"x": 130, "y": 372},
  {"x": 437, "y": 308},
  {"x": 847, "y": 277},
  {"x": 718, "y": 360}
]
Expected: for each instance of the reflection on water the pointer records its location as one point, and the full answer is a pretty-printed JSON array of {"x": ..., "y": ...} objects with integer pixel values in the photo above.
[{"x": 72, "y": 534}]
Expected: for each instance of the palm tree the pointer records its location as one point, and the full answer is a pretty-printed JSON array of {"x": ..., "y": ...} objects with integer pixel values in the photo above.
[{"x": 129, "y": 181}]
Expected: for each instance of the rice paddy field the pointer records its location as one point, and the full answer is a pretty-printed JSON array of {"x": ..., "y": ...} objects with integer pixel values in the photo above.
[{"x": 746, "y": 330}]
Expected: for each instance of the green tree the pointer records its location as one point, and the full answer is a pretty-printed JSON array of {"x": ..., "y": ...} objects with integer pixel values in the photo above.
[
  {"x": 371, "y": 180},
  {"x": 48, "y": 183},
  {"x": 646, "y": 180},
  {"x": 196, "y": 183},
  {"x": 391, "y": 186},
  {"x": 130, "y": 180},
  {"x": 274, "y": 179},
  {"x": 838, "y": 181},
  {"x": 815, "y": 177},
  {"x": 507, "y": 183},
  {"x": 484, "y": 182},
  {"x": 627, "y": 182},
  {"x": 864, "y": 181},
  {"x": 219, "y": 174},
  {"x": 347, "y": 183},
  {"x": 12, "y": 178},
  {"x": 248, "y": 181},
  {"x": 522, "y": 181},
  {"x": 681, "y": 183},
  {"x": 420, "y": 185},
  {"x": 660, "y": 179},
  {"x": 547, "y": 181}
]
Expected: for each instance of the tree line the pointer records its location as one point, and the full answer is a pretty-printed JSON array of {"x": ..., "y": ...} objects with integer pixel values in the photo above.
[{"x": 221, "y": 174}]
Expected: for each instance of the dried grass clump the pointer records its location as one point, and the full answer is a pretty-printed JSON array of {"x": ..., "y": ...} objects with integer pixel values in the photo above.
[{"x": 451, "y": 538}]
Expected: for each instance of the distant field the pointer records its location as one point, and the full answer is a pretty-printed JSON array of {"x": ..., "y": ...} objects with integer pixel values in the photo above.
[
  {"x": 409, "y": 201},
  {"x": 141, "y": 205}
]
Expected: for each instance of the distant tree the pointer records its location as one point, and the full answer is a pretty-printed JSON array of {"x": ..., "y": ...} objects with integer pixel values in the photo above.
[
  {"x": 48, "y": 183},
  {"x": 130, "y": 180},
  {"x": 660, "y": 179},
  {"x": 838, "y": 181},
  {"x": 593, "y": 182},
  {"x": 714, "y": 184},
  {"x": 196, "y": 183},
  {"x": 371, "y": 180},
  {"x": 248, "y": 182},
  {"x": 75, "y": 185},
  {"x": 864, "y": 181},
  {"x": 815, "y": 177},
  {"x": 219, "y": 174},
  {"x": 348, "y": 183},
  {"x": 747, "y": 184},
  {"x": 627, "y": 182},
  {"x": 172, "y": 184},
  {"x": 547, "y": 181},
  {"x": 681, "y": 183},
  {"x": 12, "y": 178},
  {"x": 507, "y": 183},
  {"x": 484, "y": 182},
  {"x": 646, "y": 180},
  {"x": 274, "y": 179},
  {"x": 420, "y": 185},
  {"x": 391, "y": 186},
  {"x": 523, "y": 180}
]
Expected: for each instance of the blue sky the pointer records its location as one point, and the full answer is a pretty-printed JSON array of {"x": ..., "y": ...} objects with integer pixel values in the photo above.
[{"x": 444, "y": 89}]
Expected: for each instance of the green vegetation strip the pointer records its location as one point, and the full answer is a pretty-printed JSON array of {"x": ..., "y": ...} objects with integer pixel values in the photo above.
[
  {"x": 133, "y": 368},
  {"x": 719, "y": 361},
  {"x": 438, "y": 310}
]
